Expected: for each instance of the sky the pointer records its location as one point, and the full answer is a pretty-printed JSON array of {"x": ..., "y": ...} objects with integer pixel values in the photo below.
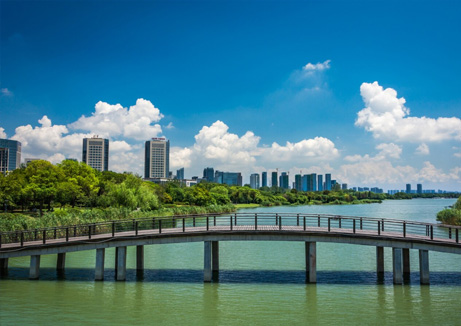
[{"x": 368, "y": 91}]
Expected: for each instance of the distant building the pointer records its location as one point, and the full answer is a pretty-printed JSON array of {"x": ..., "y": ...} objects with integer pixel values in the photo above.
[
  {"x": 229, "y": 178},
  {"x": 306, "y": 182},
  {"x": 274, "y": 179},
  {"x": 408, "y": 188},
  {"x": 320, "y": 182},
  {"x": 180, "y": 174},
  {"x": 419, "y": 188},
  {"x": 96, "y": 153},
  {"x": 328, "y": 181},
  {"x": 344, "y": 186},
  {"x": 208, "y": 174},
  {"x": 10, "y": 155},
  {"x": 284, "y": 181},
  {"x": 313, "y": 182},
  {"x": 27, "y": 160},
  {"x": 157, "y": 158},
  {"x": 254, "y": 181},
  {"x": 264, "y": 179},
  {"x": 376, "y": 190},
  {"x": 298, "y": 182}
]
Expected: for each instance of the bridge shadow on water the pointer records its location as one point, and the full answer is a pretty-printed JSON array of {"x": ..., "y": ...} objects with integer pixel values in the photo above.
[{"x": 236, "y": 276}]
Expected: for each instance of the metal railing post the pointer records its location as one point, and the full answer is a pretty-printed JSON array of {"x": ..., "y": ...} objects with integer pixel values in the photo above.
[
  {"x": 379, "y": 227},
  {"x": 297, "y": 220},
  {"x": 136, "y": 227},
  {"x": 329, "y": 224},
  {"x": 113, "y": 229},
  {"x": 183, "y": 224},
  {"x": 361, "y": 224},
  {"x": 55, "y": 232},
  {"x": 382, "y": 225},
  {"x": 276, "y": 219},
  {"x": 304, "y": 223},
  {"x": 457, "y": 236},
  {"x": 214, "y": 220},
  {"x": 75, "y": 231},
  {"x": 89, "y": 231},
  {"x": 318, "y": 220},
  {"x": 22, "y": 238},
  {"x": 35, "y": 234},
  {"x": 67, "y": 234},
  {"x": 231, "y": 222},
  {"x": 353, "y": 225},
  {"x": 207, "y": 225},
  {"x": 432, "y": 232},
  {"x": 193, "y": 221},
  {"x": 449, "y": 233},
  {"x": 404, "y": 229},
  {"x": 160, "y": 226},
  {"x": 339, "y": 222},
  {"x": 44, "y": 236},
  {"x": 153, "y": 223},
  {"x": 256, "y": 221},
  {"x": 235, "y": 219},
  {"x": 280, "y": 222}
]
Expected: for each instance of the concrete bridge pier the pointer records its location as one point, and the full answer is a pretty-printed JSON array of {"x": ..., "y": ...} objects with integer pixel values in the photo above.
[
  {"x": 61, "y": 262},
  {"x": 210, "y": 260},
  {"x": 424, "y": 266},
  {"x": 380, "y": 260},
  {"x": 139, "y": 259},
  {"x": 3, "y": 266},
  {"x": 311, "y": 262},
  {"x": 406, "y": 263},
  {"x": 99, "y": 268},
  {"x": 121, "y": 264},
  {"x": 397, "y": 263},
  {"x": 34, "y": 271}
]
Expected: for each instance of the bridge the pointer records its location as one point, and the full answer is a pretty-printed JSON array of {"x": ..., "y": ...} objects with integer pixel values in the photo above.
[{"x": 400, "y": 235}]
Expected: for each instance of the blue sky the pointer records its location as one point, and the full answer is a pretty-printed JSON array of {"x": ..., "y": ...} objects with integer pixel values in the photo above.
[{"x": 231, "y": 82}]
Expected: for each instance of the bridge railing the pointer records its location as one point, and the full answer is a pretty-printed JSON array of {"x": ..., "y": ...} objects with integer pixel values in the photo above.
[{"x": 229, "y": 222}]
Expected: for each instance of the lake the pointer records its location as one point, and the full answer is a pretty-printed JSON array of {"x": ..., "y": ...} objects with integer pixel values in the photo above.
[{"x": 260, "y": 283}]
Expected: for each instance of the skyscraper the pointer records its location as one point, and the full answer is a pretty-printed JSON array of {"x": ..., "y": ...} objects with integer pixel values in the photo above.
[
  {"x": 328, "y": 181},
  {"x": 313, "y": 181},
  {"x": 180, "y": 174},
  {"x": 298, "y": 182},
  {"x": 208, "y": 174},
  {"x": 419, "y": 188},
  {"x": 264, "y": 179},
  {"x": 157, "y": 158},
  {"x": 284, "y": 182},
  {"x": 254, "y": 181},
  {"x": 408, "y": 188},
  {"x": 320, "y": 182},
  {"x": 229, "y": 178},
  {"x": 274, "y": 179},
  {"x": 96, "y": 153},
  {"x": 10, "y": 155}
]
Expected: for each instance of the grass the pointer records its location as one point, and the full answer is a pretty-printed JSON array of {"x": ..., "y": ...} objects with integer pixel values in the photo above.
[{"x": 238, "y": 206}]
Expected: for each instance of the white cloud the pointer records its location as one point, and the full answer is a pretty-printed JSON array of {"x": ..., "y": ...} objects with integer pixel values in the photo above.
[
  {"x": 114, "y": 120},
  {"x": 385, "y": 116},
  {"x": 319, "y": 148},
  {"x": 430, "y": 173},
  {"x": 422, "y": 149},
  {"x": 2, "y": 133},
  {"x": 180, "y": 157},
  {"x": 119, "y": 146},
  {"x": 317, "y": 66},
  {"x": 389, "y": 150},
  {"x": 169, "y": 126},
  {"x": 6, "y": 92}
]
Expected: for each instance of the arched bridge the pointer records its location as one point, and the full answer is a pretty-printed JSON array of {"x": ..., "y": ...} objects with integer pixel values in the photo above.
[{"x": 400, "y": 235}]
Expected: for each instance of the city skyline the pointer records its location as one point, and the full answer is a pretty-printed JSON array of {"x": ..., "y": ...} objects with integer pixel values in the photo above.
[{"x": 293, "y": 91}]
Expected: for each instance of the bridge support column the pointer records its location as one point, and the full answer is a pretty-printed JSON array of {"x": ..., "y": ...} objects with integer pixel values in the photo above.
[
  {"x": 380, "y": 260},
  {"x": 424, "y": 266},
  {"x": 406, "y": 262},
  {"x": 215, "y": 258},
  {"x": 3, "y": 266},
  {"x": 207, "y": 272},
  {"x": 397, "y": 265},
  {"x": 311, "y": 262},
  {"x": 121, "y": 264},
  {"x": 34, "y": 271},
  {"x": 61, "y": 262},
  {"x": 139, "y": 259},
  {"x": 99, "y": 268}
]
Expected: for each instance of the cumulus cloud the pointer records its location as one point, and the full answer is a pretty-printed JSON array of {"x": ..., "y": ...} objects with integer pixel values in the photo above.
[
  {"x": 317, "y": 66},
  {"x": 6, "y": 92},
  {"x": 386, "y": 117},
  {"x": 119, "y": 146},
  {"x": 2, "y": 133},
  {"x": 114, "y": 120},
  {"x": 180, "y": 157},
  {"x": 318, "y": 148},
  {"x": 422, "y": 149},
  {"x": 169, "y": 126},
  {"x": 389, "y": 150}
]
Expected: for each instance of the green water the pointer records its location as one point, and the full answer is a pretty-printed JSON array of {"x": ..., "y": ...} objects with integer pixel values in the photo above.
[{"x": 260, "y": 283}]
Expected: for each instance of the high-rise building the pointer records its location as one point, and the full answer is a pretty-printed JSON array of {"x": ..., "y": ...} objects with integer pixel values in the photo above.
[
  {"x": 208, "y": 174},
  {"x": 408, "y": 188},
  {"x": 419, "y": 188},
  {"x": 96, "y": 153},
  {"x": 328, "y": 181},
  {"x": 180, "y": 174},
  {"x": 344, "y": 186},
  {"x": 284, "y": 181},
  {"x": 254, "y": 181},
  {"x": 305, "y": 182},
  {"x": 298, "y": 182},
  {"x": 313, "y": 181},
  {"x": 10, "y": 155},
  {"x": 157, "y": 158},
  {"x": 229, "y": 178},
  {"x": 274, "y": 179},
  {"x": 264, "y": 179},
  {"x": 320, "y": 182}
]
